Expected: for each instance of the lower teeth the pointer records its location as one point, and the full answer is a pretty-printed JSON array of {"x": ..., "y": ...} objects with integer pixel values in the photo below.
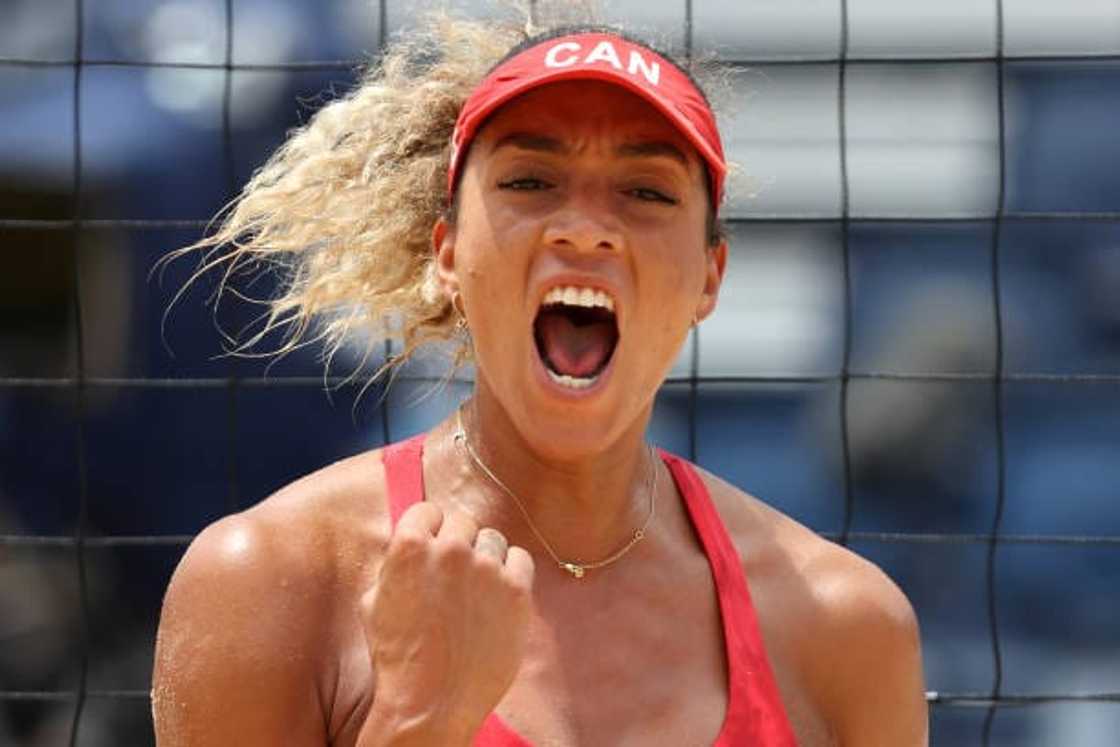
[{"x": 571, "y": 381}]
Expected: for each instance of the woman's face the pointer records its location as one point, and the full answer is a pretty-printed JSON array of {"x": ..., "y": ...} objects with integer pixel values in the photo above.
[{"x": 579, "y": 185}]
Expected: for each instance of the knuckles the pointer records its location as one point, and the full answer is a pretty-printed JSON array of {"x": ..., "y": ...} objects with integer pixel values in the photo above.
[
  {"x": 408, "y": 543},
  {"x": 452, "y": 553},
  {"x": 428, "y": 540},
  {"x": 487, "y": 562}
]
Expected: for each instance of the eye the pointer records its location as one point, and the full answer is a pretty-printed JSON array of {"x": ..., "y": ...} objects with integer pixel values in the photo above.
[
  {"x": 524, "y": 184},
  {"x": 652, "y": 195}
]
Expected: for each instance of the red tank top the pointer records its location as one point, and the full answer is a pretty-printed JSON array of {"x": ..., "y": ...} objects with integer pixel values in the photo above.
[{"x": 755, "y": 714}]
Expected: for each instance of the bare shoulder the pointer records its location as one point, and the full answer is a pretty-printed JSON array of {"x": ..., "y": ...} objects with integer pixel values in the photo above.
[
  {"x": 840, "y": 622},
  {"x": 297, "y": 543},
  {"x": 248, "y": 618},
  {"x": 846, "y": 590}
]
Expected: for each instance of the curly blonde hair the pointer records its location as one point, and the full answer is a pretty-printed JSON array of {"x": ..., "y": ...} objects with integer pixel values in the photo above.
[{"x": 343, "y": 211}]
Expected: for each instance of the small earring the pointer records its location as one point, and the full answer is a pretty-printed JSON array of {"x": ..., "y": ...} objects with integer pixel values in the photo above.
[
  {"x": 695, "y": 320},
  {"x": 456, "y": 301}
]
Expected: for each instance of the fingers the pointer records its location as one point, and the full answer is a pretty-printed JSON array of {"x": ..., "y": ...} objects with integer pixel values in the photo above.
[
  {"x": 458, "y": 529},
  {"x": 491, "y": 543},
  {"x": 421, "y": 519},
  {"x": 519, "y": 567},
  {"x": 424, "y": 520}
]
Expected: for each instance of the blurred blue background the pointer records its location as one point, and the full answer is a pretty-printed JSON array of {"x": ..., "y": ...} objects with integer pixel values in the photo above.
[{"x": 170, "y": 444}]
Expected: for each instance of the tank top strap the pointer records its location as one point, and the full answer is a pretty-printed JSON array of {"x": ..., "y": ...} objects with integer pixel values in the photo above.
[
  {"x": 404, "y": 474},
  {"x": 756, "y": 714}
]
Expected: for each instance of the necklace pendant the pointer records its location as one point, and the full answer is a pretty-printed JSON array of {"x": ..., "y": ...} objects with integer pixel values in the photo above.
[{"x": 575, "y": 569}]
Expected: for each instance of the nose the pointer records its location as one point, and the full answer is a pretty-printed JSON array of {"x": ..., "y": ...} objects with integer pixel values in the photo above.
[{"x": 584, "y": 223}]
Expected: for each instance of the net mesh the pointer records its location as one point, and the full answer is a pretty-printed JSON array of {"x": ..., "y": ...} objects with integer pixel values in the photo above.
[{"x": 237, "y": 387}]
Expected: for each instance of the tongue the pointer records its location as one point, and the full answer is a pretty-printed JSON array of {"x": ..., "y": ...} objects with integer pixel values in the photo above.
[{"x": 574, "y": 347}]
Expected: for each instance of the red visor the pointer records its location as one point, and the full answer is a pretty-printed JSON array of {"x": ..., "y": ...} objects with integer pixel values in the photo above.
[{"x": 604, "y": 57}]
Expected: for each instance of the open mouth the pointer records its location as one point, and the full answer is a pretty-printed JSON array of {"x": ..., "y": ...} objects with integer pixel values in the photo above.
[{"x": 576, "y": 334}]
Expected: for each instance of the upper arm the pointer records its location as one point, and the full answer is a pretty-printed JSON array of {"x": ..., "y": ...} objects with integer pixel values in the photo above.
[
  {"x": 236, "y": 650},
  {"x": 868, "y": 661}
]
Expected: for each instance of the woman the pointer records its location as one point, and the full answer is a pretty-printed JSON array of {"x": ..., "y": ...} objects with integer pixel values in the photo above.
[{"x": 530, "y": 571}]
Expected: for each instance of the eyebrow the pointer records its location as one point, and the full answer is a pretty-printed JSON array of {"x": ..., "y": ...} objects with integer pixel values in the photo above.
[
  {"x": 528, "y": 141},
  {"x": 545, "y": 144},
  {"x": 654, "y": 148}
]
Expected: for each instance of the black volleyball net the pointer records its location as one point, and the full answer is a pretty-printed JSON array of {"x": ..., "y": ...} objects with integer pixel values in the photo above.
[{"x": 916, "y": 353}]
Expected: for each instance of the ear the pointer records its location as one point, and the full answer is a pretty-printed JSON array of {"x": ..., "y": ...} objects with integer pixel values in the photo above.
[
  {"x": 443, "y": 244},
  {"x": 715, "y": 259}
]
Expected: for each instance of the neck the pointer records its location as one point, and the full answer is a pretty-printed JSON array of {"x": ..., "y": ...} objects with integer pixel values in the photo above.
[{"x": 585, "y": 506}]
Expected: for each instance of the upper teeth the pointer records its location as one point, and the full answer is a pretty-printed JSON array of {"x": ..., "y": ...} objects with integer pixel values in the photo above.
[{"x": 572, "y": 296}]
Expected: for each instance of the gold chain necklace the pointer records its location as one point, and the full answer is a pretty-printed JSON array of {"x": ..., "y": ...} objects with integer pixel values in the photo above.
[{"x": 576, "y": 569}]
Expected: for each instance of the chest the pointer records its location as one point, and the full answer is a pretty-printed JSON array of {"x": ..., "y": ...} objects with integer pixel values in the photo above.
[
  {"x": 647, "y": 667},
  {"x": 592, "y": 675},
  {"x": 619, "y": 670}
]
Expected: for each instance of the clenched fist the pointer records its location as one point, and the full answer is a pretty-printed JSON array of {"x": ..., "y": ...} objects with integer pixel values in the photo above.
[{"x": 445, "y": 623}]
